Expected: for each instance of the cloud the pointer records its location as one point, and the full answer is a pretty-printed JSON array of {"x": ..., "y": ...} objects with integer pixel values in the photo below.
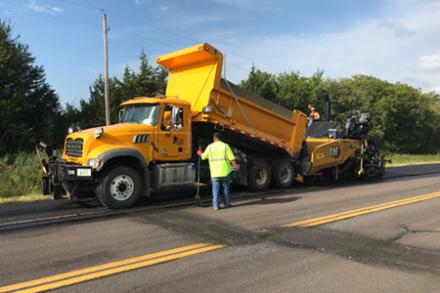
[
  {"x": 436, "y": 89},
  {"x": 398, "y": 29},
  {"x": 139, "y": 2},
  {"x": 40, "y": 8},
  {"x": 395, "y": 47},
  {"x": 167, "y": 7},
  {"x": 243, "y": 4},
  {"x": 189, "y": 21},
  {"x": 430, "y": 63}
]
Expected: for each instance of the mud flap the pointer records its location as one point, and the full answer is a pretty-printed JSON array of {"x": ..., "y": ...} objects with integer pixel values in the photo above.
[{"x": 46, "y": 185}]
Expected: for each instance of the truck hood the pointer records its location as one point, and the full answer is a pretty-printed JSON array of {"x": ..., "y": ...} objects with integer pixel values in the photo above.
[{"x": 114, "y": 136}]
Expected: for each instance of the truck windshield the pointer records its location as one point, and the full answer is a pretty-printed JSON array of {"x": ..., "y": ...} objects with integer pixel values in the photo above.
[{"x": 141, "y": 114}]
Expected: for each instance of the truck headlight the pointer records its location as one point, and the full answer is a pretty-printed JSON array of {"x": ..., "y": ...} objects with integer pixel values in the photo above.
[
  {"x": 95, "y": 163},
  {"x": 99, "y": 132}
]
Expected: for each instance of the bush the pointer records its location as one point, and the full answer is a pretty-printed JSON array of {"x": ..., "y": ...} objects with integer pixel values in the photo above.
[{"x": 19, "y": 174}]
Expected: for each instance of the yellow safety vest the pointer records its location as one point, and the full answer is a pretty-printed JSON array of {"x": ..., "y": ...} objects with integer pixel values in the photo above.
[{"x": 220, "y": 156}]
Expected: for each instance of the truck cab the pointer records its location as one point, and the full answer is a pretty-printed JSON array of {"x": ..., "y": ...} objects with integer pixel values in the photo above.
[{"x": 124, "y": 161}]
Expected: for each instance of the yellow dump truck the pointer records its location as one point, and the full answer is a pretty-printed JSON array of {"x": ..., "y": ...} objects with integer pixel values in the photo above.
[{"x": 155, "y": 141}]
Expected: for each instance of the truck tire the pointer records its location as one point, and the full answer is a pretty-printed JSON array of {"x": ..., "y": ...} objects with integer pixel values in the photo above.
[
  {"x": 259, "y": 175},
  {"x": 119, "y": 187},
  {"x": 282, "y": 174}
]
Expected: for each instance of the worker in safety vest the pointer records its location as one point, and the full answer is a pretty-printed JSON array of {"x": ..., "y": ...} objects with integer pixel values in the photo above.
[{"x": 221, "y": 164}]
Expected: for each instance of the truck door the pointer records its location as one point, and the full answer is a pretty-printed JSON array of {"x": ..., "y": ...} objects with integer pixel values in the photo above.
[{"x": 174, "y": 136}]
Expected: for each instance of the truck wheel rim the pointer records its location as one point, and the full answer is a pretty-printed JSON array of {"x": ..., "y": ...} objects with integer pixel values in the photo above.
[
  {"x": 261, "y": 176},
  {"x": 285, "y": 174},
  {"x": 121, "y": 187}
]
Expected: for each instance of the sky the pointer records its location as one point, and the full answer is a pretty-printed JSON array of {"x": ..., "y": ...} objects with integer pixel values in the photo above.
[{"x": 396, "y": 40}]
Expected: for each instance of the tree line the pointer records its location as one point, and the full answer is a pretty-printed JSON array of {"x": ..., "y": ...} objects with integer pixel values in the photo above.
[{"x": 404, "y": 118}]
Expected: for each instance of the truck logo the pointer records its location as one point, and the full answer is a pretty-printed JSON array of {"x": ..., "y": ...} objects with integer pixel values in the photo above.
[{"x": 334, "y": 152}]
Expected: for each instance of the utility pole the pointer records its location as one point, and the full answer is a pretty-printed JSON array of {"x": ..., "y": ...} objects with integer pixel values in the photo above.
[{"x": 105, "y": 31}]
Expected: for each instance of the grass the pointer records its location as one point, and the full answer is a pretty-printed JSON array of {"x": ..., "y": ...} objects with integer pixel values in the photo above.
[
  {"x": 19, "y": 176},
  {"x": 409, "y": 159},
  {"x": 32, "y": 197}
]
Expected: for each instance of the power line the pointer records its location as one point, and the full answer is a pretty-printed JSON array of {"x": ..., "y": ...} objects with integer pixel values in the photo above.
[
  {"x": 178, "y": 35},
  {"x": 117, "y": 29},
  {"x": 183, "y": 37},
  {"x": 141, "y": 37}
]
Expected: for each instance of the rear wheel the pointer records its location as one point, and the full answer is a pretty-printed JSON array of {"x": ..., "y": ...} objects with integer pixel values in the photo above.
[
  {"x": 259, "y": 175},
  {"x": 282, "y": 174},
  {"x": 119, "y": 187}
]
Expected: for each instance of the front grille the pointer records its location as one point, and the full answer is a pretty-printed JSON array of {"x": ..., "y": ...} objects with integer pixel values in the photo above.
[{"x": 74, "y": 147}]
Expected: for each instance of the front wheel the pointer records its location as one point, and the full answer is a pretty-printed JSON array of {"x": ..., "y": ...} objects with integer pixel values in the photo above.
[{"x": 119, "y": 187}]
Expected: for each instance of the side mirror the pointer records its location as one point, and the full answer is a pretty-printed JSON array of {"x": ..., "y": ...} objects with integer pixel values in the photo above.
[
  {"x": 174, "y": 113},
  {"x": 176, "y": 118}
]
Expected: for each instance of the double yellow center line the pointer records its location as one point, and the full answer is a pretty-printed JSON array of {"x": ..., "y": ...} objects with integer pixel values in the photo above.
[
  {"x": 104, "y": 270},
  {"x": 360, "y": 211},
  {"x": 108, "y": 269}
]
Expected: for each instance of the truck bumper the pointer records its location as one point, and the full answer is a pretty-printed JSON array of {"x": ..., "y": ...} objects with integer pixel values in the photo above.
[{"x": 60, "y": 176}]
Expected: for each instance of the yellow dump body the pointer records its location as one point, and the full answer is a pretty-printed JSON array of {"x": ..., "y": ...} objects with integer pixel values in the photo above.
[{"x": 195, "y": 76}]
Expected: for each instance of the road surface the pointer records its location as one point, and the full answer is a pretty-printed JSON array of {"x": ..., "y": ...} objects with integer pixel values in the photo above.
[{"x": 362, "y": 237}]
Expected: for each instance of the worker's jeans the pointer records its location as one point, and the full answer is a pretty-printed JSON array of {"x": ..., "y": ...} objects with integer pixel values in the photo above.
[{"x": 225, "y": 184}]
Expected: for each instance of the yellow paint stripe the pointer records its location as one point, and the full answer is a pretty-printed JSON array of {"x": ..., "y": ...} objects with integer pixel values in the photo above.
[
  {"x": 113, "y": 271},
  {"x": 303, "y": 222},
  {"x": 99, "y": 268},
  {"x": 361, "y": 211}
]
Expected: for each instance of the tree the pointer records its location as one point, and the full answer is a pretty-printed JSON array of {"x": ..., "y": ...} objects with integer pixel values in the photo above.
[
  {"x": 296, "y": 91},
  {"x": 404, "y": 119},
  {"x": 29, "y": 107},
  {"x": 148, "y": 81},
  {"x": 261, "y": 83}
]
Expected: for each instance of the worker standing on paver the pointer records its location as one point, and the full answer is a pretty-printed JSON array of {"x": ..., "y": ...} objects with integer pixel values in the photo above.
[
  {"x": 314, "y": 115},
  {"x": 221, "y": 164}
]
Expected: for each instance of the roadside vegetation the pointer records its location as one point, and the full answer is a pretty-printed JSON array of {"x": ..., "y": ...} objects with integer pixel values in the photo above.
[
  {"x": 19, "y": 176},
  {"x": 31, "y": 197},
  {"x": 408, "y": 159}
]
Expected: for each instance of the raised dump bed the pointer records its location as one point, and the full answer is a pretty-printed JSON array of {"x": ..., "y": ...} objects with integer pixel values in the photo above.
[{"x": 195, "y": 76}]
